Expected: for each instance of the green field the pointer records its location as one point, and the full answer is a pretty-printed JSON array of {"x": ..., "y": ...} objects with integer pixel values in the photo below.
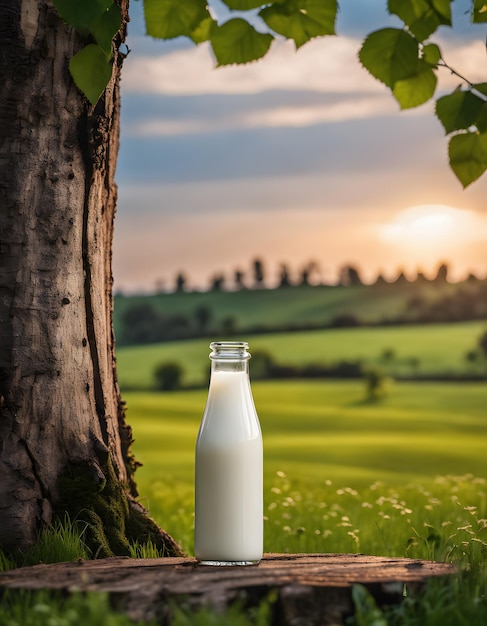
[
  {"x": 269, "y": 307},
  {"x": 317, "y": 434},
  {"x": 319, "y": 306},
  {"x": 439, "y": 349}
]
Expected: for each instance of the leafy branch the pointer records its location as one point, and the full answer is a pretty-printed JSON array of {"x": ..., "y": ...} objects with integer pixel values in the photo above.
[
  {"x": 407, "y": 63},
  {"x": 402, "y": 58},
  {"x": 237, "y": 40},
  {"x": 97, "y": 21}
]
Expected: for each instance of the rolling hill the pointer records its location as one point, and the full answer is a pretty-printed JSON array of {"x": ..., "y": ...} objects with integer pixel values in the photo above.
[{"x": 169, "y": 316}]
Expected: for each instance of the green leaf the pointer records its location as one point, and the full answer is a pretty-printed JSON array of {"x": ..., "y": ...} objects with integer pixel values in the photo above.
[
  {"x": 236, "y": 41},
  {"x": 243, "y": 5},
  {"x": 481, "y": 87},
  {"x": 422, "y": 16},
  {"x": 202, "y": 31},
  {"x": 390, "y": 55},
  {"x": 479, "y": 12},
  {"x": 166, "y": 19},
  {"x": 431, "y": 54},
  {"x": 417, "y": 89},
  {"x": 91, "y": 71},
  {"x": 468, "y": 156},
  {"x": 301, "y": 20},
  {"x": 106, "y": 26},
  {"x": 443, "y": 8},
  {"x": 458, "y": 110},
  {"x": 481, "y": 121},
  {"x": 81, "y": 13}
]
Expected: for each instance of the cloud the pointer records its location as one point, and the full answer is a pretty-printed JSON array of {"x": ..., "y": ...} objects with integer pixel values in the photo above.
[
  {"x": 323, "y": 65},
  {"x": 275, "y": 93},
  {"x": 282, "y": 116},
  {"x": 327, "y": 67}
]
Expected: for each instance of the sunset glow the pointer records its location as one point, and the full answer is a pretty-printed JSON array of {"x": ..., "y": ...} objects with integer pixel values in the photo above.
[
  {"x": 426, "y": 225},
  {"x": 429, "y": 233},
  {"x": 434, "y": 225}
]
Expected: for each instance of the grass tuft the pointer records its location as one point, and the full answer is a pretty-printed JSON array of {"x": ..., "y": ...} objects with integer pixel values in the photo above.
[
  {"x": 63, "y": 541},
  {"x": 42, "y": 608},
  {"x": 145, "y": 550}
]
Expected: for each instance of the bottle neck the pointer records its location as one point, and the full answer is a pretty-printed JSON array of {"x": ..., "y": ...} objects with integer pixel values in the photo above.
[
  {"x": 229, "y": 366},
  {"x": 229, "y": 356}
]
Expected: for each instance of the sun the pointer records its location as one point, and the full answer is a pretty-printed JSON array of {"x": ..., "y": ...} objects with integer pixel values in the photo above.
[
  {"x": 423, "y": 235},
  {"x": 430, "y": 224}
]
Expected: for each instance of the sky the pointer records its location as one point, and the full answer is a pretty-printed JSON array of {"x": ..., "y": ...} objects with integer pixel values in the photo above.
[{"x": 299, "y": 157}]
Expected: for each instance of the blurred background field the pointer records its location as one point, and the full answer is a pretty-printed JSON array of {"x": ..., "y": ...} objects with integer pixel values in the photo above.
[
  {"x": 187, "y": 314},
  {"x": 398, "y": 468},
  {"x": 373, "y": 406},
  {"x": 322, "y": 436},
  {"x": 408, "y": 350}
]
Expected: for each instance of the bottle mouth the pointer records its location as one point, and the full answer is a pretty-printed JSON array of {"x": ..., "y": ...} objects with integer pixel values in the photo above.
[{"x": 229, "y": 350}]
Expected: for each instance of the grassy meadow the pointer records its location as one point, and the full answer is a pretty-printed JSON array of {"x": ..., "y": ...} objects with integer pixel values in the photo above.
[
  {"x": 428, "y": 349},
  {"x": 269, "y": 307},
  {"x": 309, "y": 305},
  {"x": 403, "y": 476},
  {"x": 322, "y": 437}
]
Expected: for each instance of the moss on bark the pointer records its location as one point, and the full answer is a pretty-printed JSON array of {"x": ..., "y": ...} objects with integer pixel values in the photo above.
[{"x": 113, "y": 517}]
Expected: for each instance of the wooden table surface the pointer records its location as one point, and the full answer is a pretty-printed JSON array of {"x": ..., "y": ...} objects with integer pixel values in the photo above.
[{"x": 308, "y": 589}]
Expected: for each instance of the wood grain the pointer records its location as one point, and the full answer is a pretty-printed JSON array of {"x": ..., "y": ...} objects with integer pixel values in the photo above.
[{"x": 309, "y": 589}]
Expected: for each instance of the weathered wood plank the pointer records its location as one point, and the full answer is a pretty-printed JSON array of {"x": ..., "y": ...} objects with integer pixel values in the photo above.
[{"x": 312, "y": 589}]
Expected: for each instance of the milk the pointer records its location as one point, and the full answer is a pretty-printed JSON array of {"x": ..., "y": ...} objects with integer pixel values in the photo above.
[{"x": 228, "y": 472}]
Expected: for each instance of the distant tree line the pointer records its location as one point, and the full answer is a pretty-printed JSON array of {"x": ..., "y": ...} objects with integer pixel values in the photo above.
[
  {"x": 464, "y": 304},
  {"x": 169, "y": 375},
  {"x": 257, "y": 277},
  {"x": 477, "y": 357},
  {"x": 378, "y": 375}
]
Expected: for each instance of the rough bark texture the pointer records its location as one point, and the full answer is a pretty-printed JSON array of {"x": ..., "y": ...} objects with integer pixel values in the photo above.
[
  {"x": 60, "y": 406},
  {"x": 308, "y": 589}
]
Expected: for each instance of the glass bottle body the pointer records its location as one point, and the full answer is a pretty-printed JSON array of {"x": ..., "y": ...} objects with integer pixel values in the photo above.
[{"x": 229, "y": 465}]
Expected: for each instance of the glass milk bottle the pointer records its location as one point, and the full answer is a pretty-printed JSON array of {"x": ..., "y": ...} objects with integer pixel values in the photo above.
[{"x": 228, "y": 465}]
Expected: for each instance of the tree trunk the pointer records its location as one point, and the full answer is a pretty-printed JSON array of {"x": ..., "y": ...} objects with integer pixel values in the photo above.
[{"x": 64, "y": 443}]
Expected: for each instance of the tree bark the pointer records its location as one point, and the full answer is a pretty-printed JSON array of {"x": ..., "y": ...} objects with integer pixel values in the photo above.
[{"x": 61, "y": 414}]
